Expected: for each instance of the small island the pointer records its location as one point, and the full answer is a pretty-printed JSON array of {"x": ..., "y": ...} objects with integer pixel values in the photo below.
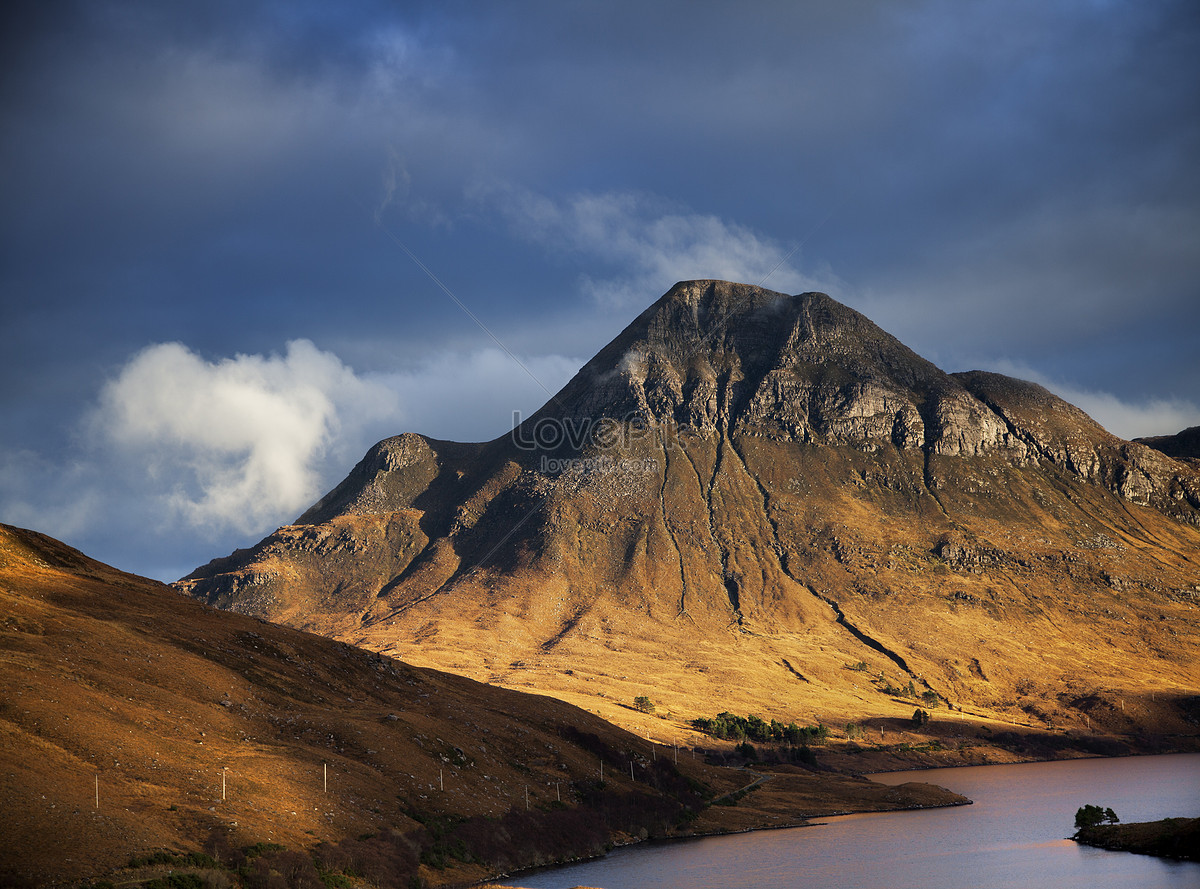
[{"x": 1177, "y": 838}]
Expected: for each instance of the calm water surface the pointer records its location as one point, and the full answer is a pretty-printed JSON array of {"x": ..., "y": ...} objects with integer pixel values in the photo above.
[{"x": 1011, "y": 837}]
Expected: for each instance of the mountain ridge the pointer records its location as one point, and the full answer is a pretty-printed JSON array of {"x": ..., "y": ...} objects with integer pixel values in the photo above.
[{"x": 1183, "y": 445}]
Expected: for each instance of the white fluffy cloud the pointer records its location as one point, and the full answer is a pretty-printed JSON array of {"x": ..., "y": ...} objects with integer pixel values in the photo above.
[
  {"x": 237, "y": 442},
  {"x": 182, "y": 458}
]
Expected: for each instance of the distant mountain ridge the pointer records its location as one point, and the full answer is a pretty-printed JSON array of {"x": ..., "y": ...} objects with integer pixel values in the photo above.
[
  {"x": 1183, "y": 445},
  {"x": 741, "y": 493}
]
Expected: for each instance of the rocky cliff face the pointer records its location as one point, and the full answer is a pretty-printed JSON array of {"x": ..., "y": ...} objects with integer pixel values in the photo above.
[{"x": 742, "y": 493}]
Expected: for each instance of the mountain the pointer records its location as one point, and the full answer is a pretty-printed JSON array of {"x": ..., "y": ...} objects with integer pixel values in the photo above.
[{"x": 757, "y": 502}]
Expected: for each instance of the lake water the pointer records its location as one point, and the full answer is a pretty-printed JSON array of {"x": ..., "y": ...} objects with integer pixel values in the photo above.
[{"x": 1011, "y": 837}]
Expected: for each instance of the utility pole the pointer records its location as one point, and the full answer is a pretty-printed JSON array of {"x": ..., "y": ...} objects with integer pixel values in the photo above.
[
  {"x": 441, "y": 786},
  {"x": 223, "y": 783},
  {"x": 325, "y": 773},
  {"x": 97, "y": 790}
]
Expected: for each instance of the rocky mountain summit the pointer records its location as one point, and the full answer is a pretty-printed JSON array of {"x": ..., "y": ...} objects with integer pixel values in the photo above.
[{"x": 741, "y": 496}]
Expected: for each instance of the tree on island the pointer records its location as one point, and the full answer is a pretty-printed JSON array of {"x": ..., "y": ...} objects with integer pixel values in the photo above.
[{"x": 1093, "y": 816}]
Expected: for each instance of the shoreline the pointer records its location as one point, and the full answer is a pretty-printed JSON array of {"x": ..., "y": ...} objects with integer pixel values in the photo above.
[
  {"x": 497, "y": 882},
  {"x": 800, "y": 821}
]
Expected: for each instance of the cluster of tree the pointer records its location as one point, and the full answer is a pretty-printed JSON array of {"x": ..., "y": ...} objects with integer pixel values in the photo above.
[
  {"x": 920, "y": 718},
  {"x": 747, "y": 752},
  {"x": 730, "y": 727},
  {"x": 1093, "y": 816},
  {"x": 898, "y": 691},
  {"x": 643, "y": 703},
  {"x": 928, "y": 697}
]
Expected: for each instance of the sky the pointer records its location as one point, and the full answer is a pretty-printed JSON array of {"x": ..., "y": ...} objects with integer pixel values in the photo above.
[{"x": 242, "y": 241}]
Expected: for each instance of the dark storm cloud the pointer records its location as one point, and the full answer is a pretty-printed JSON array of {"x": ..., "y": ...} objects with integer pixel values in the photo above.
[{"x": 1000, "y": 184}]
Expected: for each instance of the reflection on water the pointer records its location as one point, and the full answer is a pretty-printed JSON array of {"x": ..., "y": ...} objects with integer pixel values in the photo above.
[{"x": 1011, "y": 837}]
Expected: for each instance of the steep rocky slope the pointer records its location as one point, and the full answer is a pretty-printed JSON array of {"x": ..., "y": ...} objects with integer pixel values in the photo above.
[{"x": 760, "y": 502}]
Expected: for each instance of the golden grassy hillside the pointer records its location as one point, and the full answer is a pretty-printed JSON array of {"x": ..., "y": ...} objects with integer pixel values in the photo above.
[{"x": 135, "y": 721}]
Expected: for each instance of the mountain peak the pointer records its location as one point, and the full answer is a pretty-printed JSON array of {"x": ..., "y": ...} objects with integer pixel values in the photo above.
[{"x": 715, "y": 356}]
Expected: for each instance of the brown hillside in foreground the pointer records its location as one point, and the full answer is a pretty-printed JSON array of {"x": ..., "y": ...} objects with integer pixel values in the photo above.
[
  {"x": 742, "y": 497},
  {"x": 116, "y": 685}
]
